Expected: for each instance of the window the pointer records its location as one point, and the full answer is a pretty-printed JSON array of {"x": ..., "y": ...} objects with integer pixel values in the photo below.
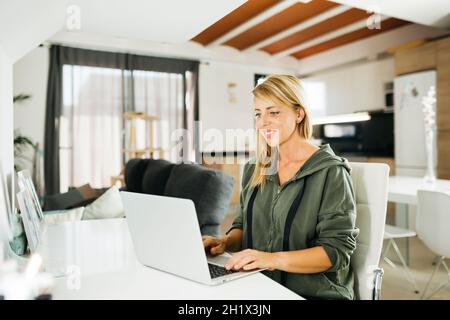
[{"x": 91, "y": 124}]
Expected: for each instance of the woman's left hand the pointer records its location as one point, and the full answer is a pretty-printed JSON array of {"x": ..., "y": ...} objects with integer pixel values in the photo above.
[{"x": 250, "y": 259}]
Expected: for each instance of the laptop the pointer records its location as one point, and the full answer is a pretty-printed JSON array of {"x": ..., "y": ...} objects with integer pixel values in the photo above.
[{"x": 166, "y": 236}]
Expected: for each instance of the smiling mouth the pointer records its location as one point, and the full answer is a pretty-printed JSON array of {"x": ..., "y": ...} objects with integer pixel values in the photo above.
[{"x": 268, "y": 133}]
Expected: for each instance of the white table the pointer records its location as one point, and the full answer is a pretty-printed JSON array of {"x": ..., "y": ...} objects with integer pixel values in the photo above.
[
  {"x": 403, "y": 189},
  {"x": 101, "y": 253},
  {"x": 403, "y": 192}
]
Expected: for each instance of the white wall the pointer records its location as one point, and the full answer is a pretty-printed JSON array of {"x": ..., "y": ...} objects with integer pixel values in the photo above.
[
  {"x": 216, "y": 110},
  {"x": 23, "y": 25},
  {"x": 357, "y": 87},
  {"x": 30, "y": 77},
  {"x": 6, "y": 115}
]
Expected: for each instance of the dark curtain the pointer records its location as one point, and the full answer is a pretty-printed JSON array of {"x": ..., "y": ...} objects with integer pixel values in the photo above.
[
  {"x": 195, "y": 76},
  {"x": 60, "y": 56},
  {"x": 53, "y": 112}
]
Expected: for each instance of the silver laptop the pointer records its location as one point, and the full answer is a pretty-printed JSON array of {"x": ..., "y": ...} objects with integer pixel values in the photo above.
[{"x": 166, "y": 236}]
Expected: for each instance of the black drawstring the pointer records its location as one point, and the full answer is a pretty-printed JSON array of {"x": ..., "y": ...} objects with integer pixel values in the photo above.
[
  {"x": 250, "y": 218},
  {"x": 287, "y": 226}
]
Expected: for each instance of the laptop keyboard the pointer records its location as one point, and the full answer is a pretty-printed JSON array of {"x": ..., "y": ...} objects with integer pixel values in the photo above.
[{"x": 217, "y": 271}]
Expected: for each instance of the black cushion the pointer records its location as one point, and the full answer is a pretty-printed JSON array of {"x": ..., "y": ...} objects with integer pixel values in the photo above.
[
  {"x": 156, "y": 176},
  {"x": 134, "y": 174},
  {"x": 210, "y": 190},
  {"x": 62, "y": 201}
]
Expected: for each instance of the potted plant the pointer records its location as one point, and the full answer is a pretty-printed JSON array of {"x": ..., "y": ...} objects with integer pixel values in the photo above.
[{"x": 21, "y": 142}]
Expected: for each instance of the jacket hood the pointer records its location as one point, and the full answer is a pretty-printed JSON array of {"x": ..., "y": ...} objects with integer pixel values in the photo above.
[{"x": 322, "y": 159}]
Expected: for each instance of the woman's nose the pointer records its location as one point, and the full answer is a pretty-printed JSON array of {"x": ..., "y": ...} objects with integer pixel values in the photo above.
[{"x": 265, "y": 120}]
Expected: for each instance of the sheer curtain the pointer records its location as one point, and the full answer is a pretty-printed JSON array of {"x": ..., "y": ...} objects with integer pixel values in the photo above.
[
  {"x": 160, "y": 94},
  {"x": 88, "y": 91},
  {"x": 91, "y": 126}
]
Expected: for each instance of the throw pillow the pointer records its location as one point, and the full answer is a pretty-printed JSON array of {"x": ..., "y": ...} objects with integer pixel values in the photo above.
[{"x": 107, "y": 206}]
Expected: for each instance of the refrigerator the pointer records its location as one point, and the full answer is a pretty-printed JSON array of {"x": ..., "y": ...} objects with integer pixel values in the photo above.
[{"x": 409, "y": 126}]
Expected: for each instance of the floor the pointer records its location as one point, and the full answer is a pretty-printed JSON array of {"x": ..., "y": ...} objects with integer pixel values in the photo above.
[{"x": 394, "y": 285}]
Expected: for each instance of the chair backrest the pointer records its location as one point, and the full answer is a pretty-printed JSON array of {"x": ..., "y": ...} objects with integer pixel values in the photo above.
[
  {"x": 370, "y": 181},
  {"x": 433, "y": 220}
]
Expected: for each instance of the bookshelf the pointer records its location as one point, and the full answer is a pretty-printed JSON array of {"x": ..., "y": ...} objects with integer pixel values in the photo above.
[{"x": 147, "y": 123}]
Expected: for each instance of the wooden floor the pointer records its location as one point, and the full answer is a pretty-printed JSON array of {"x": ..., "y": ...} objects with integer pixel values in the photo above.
[{"x": 394, "y": 285}]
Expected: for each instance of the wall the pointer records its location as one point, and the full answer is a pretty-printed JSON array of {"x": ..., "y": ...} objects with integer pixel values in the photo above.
[
  {"x": 6, "y": 116},
  {"x": 352, "y": 88},
  {"x": 30, "y": 77},
  {"x": 216, "y": 109}
]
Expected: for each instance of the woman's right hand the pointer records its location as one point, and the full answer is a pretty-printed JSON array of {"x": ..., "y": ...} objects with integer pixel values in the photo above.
[{"x": 214, "y": 246}]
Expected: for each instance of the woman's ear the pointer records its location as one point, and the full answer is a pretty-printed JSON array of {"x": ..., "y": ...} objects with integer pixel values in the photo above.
[{"x": 300, "y": 115}]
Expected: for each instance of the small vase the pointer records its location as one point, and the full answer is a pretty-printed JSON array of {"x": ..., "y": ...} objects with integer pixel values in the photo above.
[{"x": 430, "y": 176}]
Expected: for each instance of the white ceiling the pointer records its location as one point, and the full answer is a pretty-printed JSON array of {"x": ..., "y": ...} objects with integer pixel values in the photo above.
[
  {"x": 169, "y": 21},
  {"x": 435, "y": 13},
  {"x": 26, "y": 23}
]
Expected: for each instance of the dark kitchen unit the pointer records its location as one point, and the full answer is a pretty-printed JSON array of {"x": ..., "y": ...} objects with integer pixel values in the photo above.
[{"x": 370, "y": 138}]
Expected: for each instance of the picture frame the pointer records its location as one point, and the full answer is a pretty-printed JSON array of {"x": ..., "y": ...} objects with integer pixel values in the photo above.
[
  {"x": 26, "y": 183},
  {"x": 5, "y": 209},
  {"x": 29, "y": 217}
]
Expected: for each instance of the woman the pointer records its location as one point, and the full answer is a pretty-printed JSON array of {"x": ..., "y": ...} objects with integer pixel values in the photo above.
[{"x": 298, "y": 210}]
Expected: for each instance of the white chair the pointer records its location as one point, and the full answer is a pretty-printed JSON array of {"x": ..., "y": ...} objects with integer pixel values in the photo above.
[
  {"x": 433, "y": 228},
  {"x": 390, "y": 234},
  {"x": 370, "y": 181}
]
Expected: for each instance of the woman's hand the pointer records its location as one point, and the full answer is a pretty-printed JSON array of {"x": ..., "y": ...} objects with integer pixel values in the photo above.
[
  {"x": 214, "y": 246},
  {"x": 250, "y": 259}
]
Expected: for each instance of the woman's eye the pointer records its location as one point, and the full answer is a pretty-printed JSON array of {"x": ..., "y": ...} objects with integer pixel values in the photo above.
[
  {"x": 257, "y": 115},
  {"x": 274, "y": 113}
]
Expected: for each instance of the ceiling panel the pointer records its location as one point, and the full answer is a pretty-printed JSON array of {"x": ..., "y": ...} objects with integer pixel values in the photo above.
[
  {"x": 329, "y": 25},
  {"x": 386, "y": 25},
  {"x": 285, "y": 19},
  {"x": 296, "y": 28},
  {"x": 245, "y": 12}
]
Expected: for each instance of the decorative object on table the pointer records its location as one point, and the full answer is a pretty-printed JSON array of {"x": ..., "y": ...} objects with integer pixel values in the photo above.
[
  {"x": 26, "y": 183},
  {"x": 28, "y": 284},
  {"x": 30, "y": 218},
  {"x": 11, "y": 226},
  {"x": 19, "y": 243},
  {"x": 429, "y": 112}
]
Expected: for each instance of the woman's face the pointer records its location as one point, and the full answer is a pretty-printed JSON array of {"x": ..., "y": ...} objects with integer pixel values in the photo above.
[{"x": 274, "y": 122}]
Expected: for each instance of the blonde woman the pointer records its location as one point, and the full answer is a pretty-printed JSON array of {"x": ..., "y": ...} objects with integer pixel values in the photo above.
[{"x": 298, "y": 212}]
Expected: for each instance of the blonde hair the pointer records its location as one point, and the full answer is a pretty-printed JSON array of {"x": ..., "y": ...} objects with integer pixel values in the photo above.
[{"x": 283, "y": 90}]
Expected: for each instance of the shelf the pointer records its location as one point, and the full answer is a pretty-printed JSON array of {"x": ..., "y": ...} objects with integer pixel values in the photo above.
[
  {"x": 139, "y": 115},
  {"x": 143, "y": 150}
]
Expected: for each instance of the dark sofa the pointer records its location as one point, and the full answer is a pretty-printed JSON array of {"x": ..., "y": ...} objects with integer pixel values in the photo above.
[{"x": 209, "y": 189}]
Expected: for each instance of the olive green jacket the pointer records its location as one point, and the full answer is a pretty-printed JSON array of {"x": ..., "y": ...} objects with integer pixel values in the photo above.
[{"x": 325, "y": 217}]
